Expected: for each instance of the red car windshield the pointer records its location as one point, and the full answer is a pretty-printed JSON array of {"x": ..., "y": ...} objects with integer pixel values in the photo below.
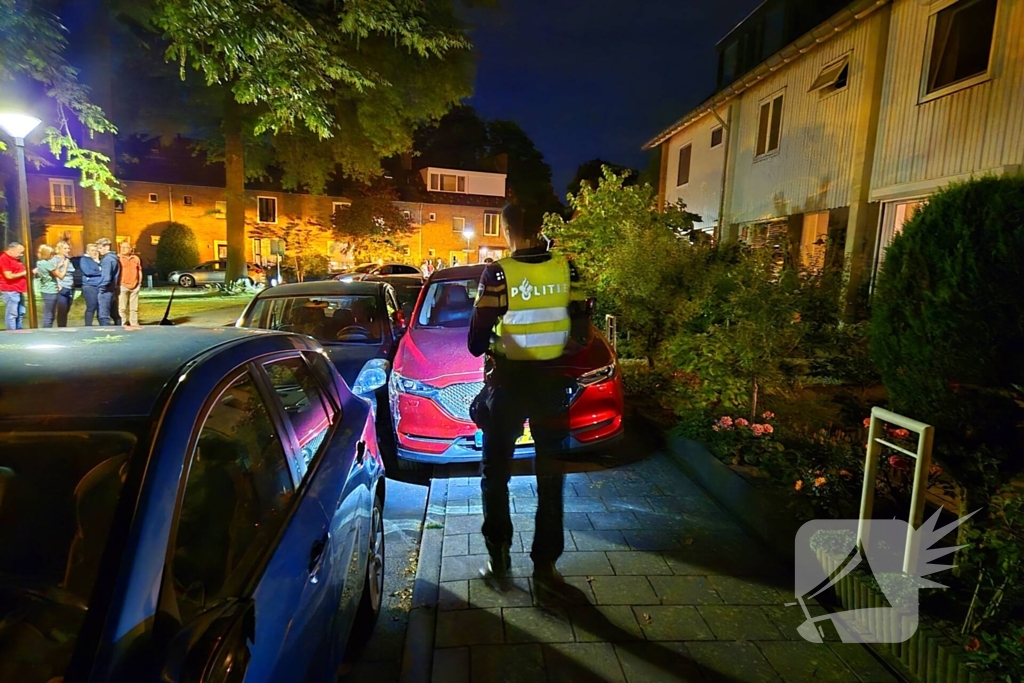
[{"x": 447, "y": 304}]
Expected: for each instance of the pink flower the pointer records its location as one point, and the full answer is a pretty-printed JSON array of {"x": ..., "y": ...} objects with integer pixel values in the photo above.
[
  {"x": 867, "y": 422},
  {"x": 898, "y": 462},
  {"x": 715, "y": 427},
  {"x": 934, "y": 471},
  {"x": 725, "y": 421},
  {"x": 741, "y": 422},
  {"x": 757, "y": 429},
  {"x": 900, "y": 433},
  {"x": 844, "y": 473},
  {"x": 973, "y": 645},
  {"x": 768, "y": 429},
  {"x": 768, "y": 415}
]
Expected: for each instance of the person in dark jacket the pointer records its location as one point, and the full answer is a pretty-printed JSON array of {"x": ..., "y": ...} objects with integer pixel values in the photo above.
[
  {"x": 110, "y": 282},
  {"x": 91, "y": 276}
]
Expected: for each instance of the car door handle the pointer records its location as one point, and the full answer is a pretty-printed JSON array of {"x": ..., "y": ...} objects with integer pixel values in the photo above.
[
  {"x": 316, "y": 557},
  {"x": 360, "y": 452}
]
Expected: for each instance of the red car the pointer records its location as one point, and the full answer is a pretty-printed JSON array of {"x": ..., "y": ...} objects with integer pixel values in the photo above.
[{"x": 435, "y": 379}]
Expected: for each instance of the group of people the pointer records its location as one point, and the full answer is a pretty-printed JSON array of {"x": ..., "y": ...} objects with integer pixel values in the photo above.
[{"x": 104, "y": 276}]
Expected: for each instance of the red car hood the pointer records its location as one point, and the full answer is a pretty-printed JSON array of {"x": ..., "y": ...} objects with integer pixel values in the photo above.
[{"x": 441, "y": 357}]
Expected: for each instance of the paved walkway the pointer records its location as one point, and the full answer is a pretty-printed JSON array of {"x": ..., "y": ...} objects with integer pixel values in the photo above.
[{"x": 676, "y": 592}]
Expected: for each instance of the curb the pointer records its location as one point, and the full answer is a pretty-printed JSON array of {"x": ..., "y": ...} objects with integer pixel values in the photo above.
[{"x": 418, "y": 653}]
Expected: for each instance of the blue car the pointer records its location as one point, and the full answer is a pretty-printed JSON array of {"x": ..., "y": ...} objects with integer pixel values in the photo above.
[{"x": 183, "y": 505}]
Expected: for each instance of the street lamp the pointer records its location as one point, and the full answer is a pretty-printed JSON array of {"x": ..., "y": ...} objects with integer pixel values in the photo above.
[
  {"x": 18, "y": 126},
  {"x": 468, "y": 234}
]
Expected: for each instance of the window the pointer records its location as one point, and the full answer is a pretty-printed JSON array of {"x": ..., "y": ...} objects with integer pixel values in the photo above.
[
  {"x": 492, "y": 224},
  {"x": 62, "y": 195},
  {"x": 154, "y": 240},
  {"x": 432, "y": 217},
  {"x": 119, "y": 205},
  {"x": 716, "y": 137},
  {"x": 960, "y": 44},
  {"x": 187, "y": 200},
  {"x": 309, "y": 412},
  {"x": 448, "y": 304},
  {"x": 813, "y": 240},
  {"x": 266, "y": 209},
  {"x": 445, "y": 182},
  {"x": 220, "y": 208},
  {"x": 237, "y": 495},
  {"x": 431, "y": 253},
  {"x": 458, "y": 224},
  {"x": 769, "y": 126},
  {"x": 407, "y": 215},
  {"x": 833, "y": 76},
  {"x": 221, "y": 249},
  {"x": 338, "y": 206},
  {"x": 683, "y": 173},
  {"x": 153, "y": 198}
]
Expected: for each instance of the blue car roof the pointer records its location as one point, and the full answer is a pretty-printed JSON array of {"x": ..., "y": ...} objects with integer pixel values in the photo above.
[
  {"x": 97, "y": 371},
  {"x": 322, "y": 288}
]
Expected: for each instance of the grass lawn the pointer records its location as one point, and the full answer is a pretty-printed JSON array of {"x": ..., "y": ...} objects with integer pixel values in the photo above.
[{"x": 153, "y": 303}]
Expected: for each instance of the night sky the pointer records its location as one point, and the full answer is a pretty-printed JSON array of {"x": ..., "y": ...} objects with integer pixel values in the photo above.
[{"x": 594, "y": 78}]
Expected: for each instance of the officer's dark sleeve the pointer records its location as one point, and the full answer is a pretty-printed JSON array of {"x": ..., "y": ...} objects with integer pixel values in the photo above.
[
  {"x": 491, "y": 304},
  {"x": 577, "y": 307}
]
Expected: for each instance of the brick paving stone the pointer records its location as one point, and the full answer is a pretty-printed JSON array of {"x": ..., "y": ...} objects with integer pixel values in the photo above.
[
  {"x": 605, "y": 623},
  {"x": 788, "y": 619},
  {"x": 599, "y": 541},
  {"x": 522, "y": 487},
  {"x": 685, "y": 590},
  {"x": 533, "y": 625},
  {"x": 803, "y": 662},
  {"x": 626, "y": 503},
  {"x": 583, "y": 663},
  {"x": 374, "y": 672},
  {"x": 462, "y": 524},
  {"x": 727, "y": 662},
  {"x": 526, "y": 541},
  {"x": 638, "y": 489},
  {"x": 585, "y": 564},
  {"x": 524, "y": 505},
  {"x": 455, "y": 545},
  {"x": 863, "y": 663},
  {"x": 507, "y": 664},
  {"x": 678, "y": 503},
  {"x": 604, "y": 521},
  {"x": 576, "y": 521},
  {"x": 739, "y": 622},
  {"x": 469, "y": 627},
  {"x": 592, "y": 489},
  {"x": 636, "y": 563},
  {"x": 693, "y": 559},
  {"x": 477, "y": 546},
  {"x": 651, "y": 539},
  {"x": 583, "y": 504},
  {"x": 745, "y": 591},
  {"x": 582, "y": 587},
  {"x": 516, "y": 594},
  {"x": 522, "y": 521},
  {"x": 451, "y": 665},
  {"x": 658, "y": 663},
  {"x": 623, "y": 590},
  {"x": 465, "y": 567},
  {"x": 453, "y": 595},
  {"x": 675, "y": 622}
]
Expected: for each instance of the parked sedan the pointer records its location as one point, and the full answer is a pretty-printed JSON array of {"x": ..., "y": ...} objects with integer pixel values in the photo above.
[
  {"x": 212, "y": 273},
  {"x": 366, "y": 270},
  {"x": 434, "y": 380},
  {"x": 358, "y": 323},
  {"x": 209, "y": 511}
]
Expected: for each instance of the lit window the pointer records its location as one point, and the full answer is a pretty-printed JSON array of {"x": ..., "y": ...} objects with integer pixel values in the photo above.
[
  {"x": 769, "y": 126},
  {"x": 492, "y": 224},
  {"x": 833, "y": 76},
  {"x": 683, "y": 173},
  {"x": 458, "y": 224},
  {"x": 62, "y": 195},
  {"x": 432, "y": 217},
  {"x": 447, "y": 182},
  {"x": 153, "y": 198},
  {"x": 154, "y": 240},
  {"x": 266, "y": 209},
  {"x": 716, "y": 137},
  {"x": 407, "y": 215},
  {"x": 961, "y": 44}
]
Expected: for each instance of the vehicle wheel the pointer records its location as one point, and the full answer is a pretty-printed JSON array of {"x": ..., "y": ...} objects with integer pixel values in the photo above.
[
  {"x": 186, "y": 281},
  {"x": 373, "y": 590}
]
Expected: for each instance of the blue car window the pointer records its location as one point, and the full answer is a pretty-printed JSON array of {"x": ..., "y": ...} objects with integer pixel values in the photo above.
[
  {"x": 237, "y": 495},
  {"x": 308, "y": 410}
]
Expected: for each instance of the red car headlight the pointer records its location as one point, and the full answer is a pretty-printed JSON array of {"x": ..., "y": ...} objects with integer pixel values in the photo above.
[{"x": 594, "y": 376}]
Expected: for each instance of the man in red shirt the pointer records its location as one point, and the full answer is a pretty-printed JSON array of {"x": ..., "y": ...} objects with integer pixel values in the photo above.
[
  {"x": 13, "y": 285},
  {"x": 131, "y": 283}
]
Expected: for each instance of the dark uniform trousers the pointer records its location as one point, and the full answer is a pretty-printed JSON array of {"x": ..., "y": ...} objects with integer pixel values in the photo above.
[{"x": 513, "y": 393}]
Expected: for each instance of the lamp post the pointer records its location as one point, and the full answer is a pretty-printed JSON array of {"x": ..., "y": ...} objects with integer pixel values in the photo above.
[
  {"x": 18, "y": 126},
  {"x": 468, "y": 234}
]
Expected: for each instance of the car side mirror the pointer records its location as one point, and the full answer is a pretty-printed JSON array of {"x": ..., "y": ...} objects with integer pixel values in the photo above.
[{"x": 214, "y": 647}]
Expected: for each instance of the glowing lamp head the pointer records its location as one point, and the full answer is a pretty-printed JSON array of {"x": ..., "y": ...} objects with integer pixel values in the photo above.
[{"x": 18, "y": 125}]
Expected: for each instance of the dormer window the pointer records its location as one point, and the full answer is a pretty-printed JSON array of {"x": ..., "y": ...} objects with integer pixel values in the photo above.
[{"x": 447, "y": 182}]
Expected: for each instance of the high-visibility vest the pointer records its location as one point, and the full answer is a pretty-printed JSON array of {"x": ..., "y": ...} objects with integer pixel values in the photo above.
[{"x": 537, "y": 325}]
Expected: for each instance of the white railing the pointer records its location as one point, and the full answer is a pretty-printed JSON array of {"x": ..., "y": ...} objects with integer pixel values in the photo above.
[
  {"x": 611, "y": 331},
  {"x": 923, "y": 457}
]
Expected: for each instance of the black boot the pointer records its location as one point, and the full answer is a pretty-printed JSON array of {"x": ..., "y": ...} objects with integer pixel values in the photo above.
[
  {"x": 551, "y": 590},
  {"x": 498, "y": 566}
]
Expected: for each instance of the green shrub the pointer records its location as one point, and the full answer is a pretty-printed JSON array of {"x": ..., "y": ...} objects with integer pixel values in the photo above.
[
  {"x": 946, "y": 325},
  {"x": 177, "y": 249}
]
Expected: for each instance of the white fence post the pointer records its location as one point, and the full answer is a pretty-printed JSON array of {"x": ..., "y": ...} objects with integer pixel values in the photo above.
[{"x": 612, "y": 331}]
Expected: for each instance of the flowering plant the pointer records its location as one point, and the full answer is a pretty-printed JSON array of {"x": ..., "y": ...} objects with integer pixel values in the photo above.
[{"x": 745, "y": 441}]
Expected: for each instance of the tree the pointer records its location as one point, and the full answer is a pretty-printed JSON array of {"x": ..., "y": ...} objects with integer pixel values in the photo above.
[
  {"x": 305, "y": 241},
  {"x": 373, "y": 227},
  {"x": 592, "y": 172},
  {"x": 177, "y": 249},
  {"x": 529, "y": 176},
  {"x": 356, "y": 75}
]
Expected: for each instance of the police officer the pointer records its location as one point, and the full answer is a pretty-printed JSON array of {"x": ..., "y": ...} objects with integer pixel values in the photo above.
[{"x": 522, "y": 321}]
